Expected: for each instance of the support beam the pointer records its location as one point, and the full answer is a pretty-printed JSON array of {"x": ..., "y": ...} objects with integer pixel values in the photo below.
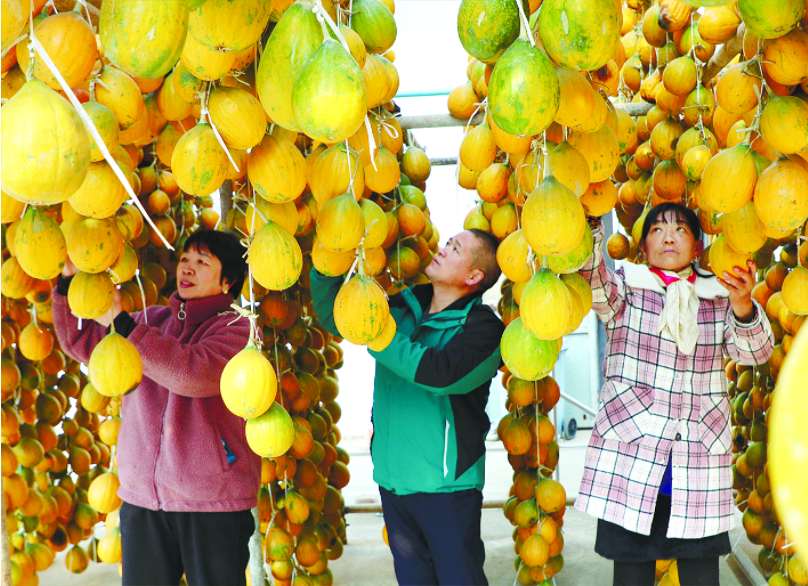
[
  {"x": 577, "y": 403},
  {"x": 443, "y": 161},
  {"x": 449, "y": 121},
  {"x": 437, "y": 121},
  {"x": 724, "y": 55}
]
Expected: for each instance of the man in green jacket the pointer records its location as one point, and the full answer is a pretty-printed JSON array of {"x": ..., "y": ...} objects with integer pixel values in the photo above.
[{"x": 429, "y": 422}]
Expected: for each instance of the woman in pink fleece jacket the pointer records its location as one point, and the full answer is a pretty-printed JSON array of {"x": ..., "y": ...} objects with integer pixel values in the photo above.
[{"x": 188, "y": 477}]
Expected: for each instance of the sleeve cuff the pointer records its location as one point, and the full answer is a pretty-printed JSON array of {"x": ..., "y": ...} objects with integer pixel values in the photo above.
[
  {"x": 746, "y": 325},
  {"x": 124, "y": 324},
  {"x": 63, "y": 284}
]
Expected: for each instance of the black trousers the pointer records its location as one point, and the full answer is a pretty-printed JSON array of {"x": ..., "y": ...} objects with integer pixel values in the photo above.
[
  {"x": 703, "y": 572},
  {"x": 211, "y": 549},
  {"x": 435, "y": 537}
]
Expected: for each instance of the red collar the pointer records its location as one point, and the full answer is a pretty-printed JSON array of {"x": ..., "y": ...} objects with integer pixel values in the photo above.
[{"x": 668, "y": 279}]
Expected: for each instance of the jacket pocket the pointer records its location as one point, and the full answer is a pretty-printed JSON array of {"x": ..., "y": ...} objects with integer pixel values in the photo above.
[
  {"x": 624, "y": 415},
  {"x": 714, "y": 430},
  {"x": 221, "y": 451}
]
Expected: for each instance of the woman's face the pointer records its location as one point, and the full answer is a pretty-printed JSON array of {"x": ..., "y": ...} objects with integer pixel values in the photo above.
[
  {"x": 198, "y": 274},
  {"x": 670, "y": 244}
]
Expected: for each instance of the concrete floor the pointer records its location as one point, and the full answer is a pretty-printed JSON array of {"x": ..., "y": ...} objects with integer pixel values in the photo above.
[{"x": 367, "y": 560}]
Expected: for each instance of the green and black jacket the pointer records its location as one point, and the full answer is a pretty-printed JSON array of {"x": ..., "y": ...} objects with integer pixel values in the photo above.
[{"x": 430, "y": 389}]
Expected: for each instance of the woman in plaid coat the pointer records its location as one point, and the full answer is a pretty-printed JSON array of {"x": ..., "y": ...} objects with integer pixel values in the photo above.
[{"x": 658, "y": 468}]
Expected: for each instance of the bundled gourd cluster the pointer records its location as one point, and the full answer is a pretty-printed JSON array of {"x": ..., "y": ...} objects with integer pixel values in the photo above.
[
  {"x": 752, "y": 391},
  {"x": 726, "y": 133},
  {"x": 283, "y": 107},
  {"x": 537, "y": 503},
  {"x": 541, "y": 160}
]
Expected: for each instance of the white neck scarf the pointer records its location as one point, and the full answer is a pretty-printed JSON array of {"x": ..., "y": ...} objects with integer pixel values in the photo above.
[{"x": 680, "y": 312}]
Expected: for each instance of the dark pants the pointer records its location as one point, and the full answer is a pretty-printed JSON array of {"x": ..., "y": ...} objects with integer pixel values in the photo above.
[
  {"x": 159, "y": 546},
  {"x": 691, "y": 573},
  {"x": 435, "y": 537}
]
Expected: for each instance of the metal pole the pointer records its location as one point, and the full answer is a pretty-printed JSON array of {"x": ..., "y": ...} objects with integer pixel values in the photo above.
[
  {"x": 443, "y": 161},
  {"x": 356, "y": 509},
  {"x": 437, "y": 121},
  {"x": 578, "y": 404},
  {"x": 449, "y": 121},
  {"x": 594, "y": 362},
  {"x": 557, "y": 471}
]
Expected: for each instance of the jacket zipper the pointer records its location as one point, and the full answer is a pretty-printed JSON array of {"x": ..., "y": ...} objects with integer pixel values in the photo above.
[
  {"x": 445, "y": 451},
  {"x": 181, "y": 316}
]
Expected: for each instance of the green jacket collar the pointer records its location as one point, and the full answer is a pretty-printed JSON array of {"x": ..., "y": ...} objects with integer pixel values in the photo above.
[{"x": 419, "y": 297}]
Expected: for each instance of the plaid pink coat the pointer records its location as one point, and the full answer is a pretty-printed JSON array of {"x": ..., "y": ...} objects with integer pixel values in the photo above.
[{"x": 657, "y": 403}]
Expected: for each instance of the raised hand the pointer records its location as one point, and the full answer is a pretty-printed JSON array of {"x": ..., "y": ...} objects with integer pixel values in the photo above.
[{"x": 740, "y": 287}]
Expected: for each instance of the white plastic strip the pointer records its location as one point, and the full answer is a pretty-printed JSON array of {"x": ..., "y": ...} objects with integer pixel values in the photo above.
[
  {"x": 371, "y": 142},
  {"x": 206, "y": 115},
  {"x": 88, "y": 123}
]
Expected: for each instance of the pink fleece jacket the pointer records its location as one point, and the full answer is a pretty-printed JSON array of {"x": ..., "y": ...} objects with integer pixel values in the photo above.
[{"x": 170, "y": 450}]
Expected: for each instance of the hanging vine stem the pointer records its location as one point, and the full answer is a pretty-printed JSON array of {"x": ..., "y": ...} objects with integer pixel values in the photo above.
[
  {"x": 112, "y": 316},
  {"x": 269, "y": 527},
  {"x": 696, "y": 60},
  {"x": 763, "y": 91},
  {"x": 142, "y": 296},
  {"x": 358, "y": 265},
  {"x": 87, "y": 11},
  {"x": 326, "y": 21},
  {"x": 32, "y": 311},
  {"x": 352, "y": 174},
  {"x": 249, "y": 273},
  {"x": 13, "y": 44},
  {"x": 516, "y": 579},
  {"x": 484, "y": 106},
  {"x": 29, "y": 72},
  {"x": 525, "y": 23}
]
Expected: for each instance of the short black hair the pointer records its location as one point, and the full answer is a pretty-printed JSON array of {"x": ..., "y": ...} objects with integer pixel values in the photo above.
[
  {"x": 682, "y": 213},
  {"x": 484, "y": 257},
  {"x": 227, "y": 247}
]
